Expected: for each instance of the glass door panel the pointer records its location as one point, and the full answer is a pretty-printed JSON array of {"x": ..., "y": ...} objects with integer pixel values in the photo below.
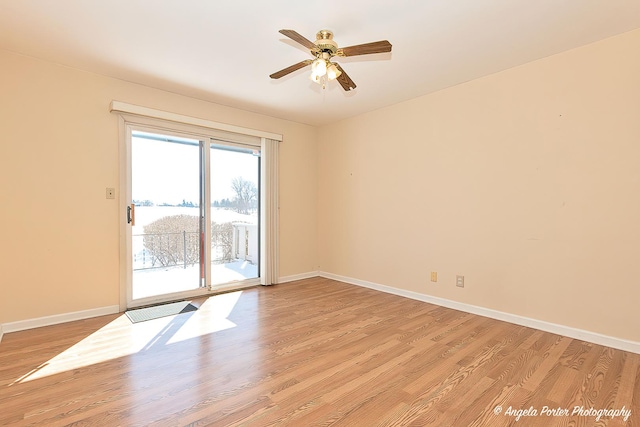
[
  {"x": 166, "y": 193},
  {"x": 235, "y": 214}
]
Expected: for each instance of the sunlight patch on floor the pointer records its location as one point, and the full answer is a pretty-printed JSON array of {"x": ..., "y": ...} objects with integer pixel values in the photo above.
[
  {"x": 216, "y": 310},
  {"x": 116, "y": 339},
  {"x": 120, "y": 338}
]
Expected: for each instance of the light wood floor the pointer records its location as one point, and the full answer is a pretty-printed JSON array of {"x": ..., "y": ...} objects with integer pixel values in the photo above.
[{"x": 313, "y": 352}]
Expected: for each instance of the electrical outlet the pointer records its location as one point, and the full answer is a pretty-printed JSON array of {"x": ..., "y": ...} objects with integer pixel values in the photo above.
[
  {"x": 460, "y": 281},
  {"x": 111, "y": 193},
  {"x": 434, "y": 276}
]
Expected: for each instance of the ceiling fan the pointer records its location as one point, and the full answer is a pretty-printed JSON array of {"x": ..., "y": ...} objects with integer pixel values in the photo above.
[{"x": 323, "y": 50}]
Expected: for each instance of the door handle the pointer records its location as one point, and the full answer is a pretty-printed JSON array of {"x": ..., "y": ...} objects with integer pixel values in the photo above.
[{"x": 131, "y": 214}]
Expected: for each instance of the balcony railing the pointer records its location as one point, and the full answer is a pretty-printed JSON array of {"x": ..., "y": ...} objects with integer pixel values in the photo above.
[
  {"x": 182, "y": 249},
  {"x": 161, "y": 250}
]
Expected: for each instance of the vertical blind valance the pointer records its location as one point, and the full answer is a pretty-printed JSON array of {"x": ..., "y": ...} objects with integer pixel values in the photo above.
[{"x": 222, "y": 131}]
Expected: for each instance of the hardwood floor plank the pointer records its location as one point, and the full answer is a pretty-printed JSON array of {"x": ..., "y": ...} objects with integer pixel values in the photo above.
[
  {"x": 566, "y": 385},
  {"x": 315, "y": 352},
  {"x": 635, "y": 402},
  {"x": 551, "y": 358},
  {"x": 624, "y": 393}
]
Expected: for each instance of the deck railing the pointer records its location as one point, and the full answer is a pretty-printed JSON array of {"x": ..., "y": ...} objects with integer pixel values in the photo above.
[{"x": 161, "y": 250}]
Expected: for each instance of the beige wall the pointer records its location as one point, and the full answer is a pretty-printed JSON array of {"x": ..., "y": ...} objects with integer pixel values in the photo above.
[
  {"x": 526, "y": 182},
  {"x": 58, "y": 153}
]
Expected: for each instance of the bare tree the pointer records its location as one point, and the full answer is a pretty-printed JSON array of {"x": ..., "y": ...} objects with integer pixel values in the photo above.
[{"x": 246, "y": 197}]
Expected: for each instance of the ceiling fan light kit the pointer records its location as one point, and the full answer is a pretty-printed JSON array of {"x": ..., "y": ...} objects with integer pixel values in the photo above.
[
  {"x": 321, "y": 67},
  {"x": 333, "y": 72},
  {"x": 323, "y": 50}
]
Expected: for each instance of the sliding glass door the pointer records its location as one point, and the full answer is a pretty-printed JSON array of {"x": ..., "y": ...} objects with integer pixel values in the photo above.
[
  {"x": 194, "y": 214},
  {"x": 165, "y": 213},
  {"x": 235, "y": 210}
]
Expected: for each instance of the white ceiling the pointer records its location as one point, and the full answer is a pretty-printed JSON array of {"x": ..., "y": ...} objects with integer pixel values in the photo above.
[{"x": 224, "y": 51}]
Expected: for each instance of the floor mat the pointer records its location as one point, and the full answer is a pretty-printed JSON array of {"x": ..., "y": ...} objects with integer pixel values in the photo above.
[{"x": 155, "y": 312}]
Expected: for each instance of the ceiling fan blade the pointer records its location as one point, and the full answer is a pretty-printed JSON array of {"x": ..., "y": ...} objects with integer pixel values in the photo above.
[
  {"x": 290, "y": 69},
  {"x": 365, "y": 49},
  {"x": 300, "y": 39},
  {"x": 344, "y": 80}
]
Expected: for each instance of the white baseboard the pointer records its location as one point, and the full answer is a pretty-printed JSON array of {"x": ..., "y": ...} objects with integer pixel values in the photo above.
[
  {"x": 1, "y": 332},
  {"x": 22, "y": 325},
  {"x": 580, "y": 334},
  {"x": 295, "y": 277}
]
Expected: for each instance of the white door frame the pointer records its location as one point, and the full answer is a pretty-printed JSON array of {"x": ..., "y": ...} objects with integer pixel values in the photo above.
[{"x": 268, "y": 261}]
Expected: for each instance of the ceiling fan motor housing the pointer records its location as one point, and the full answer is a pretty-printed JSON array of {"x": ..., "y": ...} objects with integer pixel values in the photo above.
[{"x": 324, "y": 41}]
